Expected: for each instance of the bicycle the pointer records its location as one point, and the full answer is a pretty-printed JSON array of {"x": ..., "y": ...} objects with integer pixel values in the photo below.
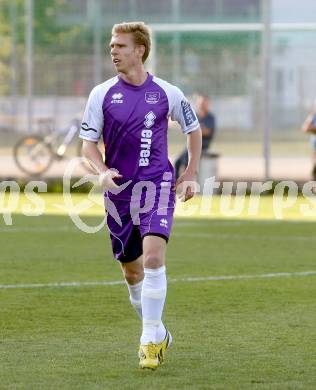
[{"x": 34, "y": 154}]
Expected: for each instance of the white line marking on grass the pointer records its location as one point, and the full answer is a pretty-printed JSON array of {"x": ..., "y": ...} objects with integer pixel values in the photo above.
[
  {"x": 73, "y": 229},
  {"x": 172, "y": 280},
  {"x": 239, "y": 277},
  {"x": 62, "y": 284},
  {"x": 178, "y": 224}
]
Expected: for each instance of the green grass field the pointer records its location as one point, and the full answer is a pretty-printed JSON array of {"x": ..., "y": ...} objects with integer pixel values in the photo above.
[{"x": 253, "y": 332}]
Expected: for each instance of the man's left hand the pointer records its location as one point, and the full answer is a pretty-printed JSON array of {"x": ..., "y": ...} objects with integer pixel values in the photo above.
[{"x": 186, "y": 186}]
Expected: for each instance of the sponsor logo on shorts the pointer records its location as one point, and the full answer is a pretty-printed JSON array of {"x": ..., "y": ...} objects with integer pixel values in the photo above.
[
  {"x": 164, "y": 223},
  {"x": 188, "y": 113},
  {"x": 117, "y": 98},
  {"x": 152, "y": 97}
]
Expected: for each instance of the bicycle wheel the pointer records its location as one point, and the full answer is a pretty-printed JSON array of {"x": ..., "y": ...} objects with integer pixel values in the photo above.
[{"x": 32, "y": 155}]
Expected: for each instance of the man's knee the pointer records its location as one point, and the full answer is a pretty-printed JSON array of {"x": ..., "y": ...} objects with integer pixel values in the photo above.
[
  {"x": 132, "y": 275},
  {"x": 152, "y": 260}
]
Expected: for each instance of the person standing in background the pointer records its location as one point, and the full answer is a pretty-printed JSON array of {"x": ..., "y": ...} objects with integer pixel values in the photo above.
[
  {"x": 309, "y": 127},
  {"x": 208, "y": 126}
]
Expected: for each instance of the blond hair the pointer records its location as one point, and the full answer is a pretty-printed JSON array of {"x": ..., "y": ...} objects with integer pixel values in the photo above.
[{"x": 140, "y": 32}]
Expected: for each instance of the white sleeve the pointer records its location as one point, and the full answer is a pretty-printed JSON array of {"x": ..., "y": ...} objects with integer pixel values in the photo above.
[
  {"x": 92, "y": 122},
  {"x": 182, "y": 112}
]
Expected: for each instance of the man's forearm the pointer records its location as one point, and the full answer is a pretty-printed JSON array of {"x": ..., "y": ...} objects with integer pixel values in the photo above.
[
  {"x": 91, "y": 152},
  {"x": 206, "y": 131},
  {"x": 307, "y": 123},
  {"x": 194, "y": 144}
]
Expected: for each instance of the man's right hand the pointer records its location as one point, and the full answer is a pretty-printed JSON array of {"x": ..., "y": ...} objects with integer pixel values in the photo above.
[{"x": 106, "y": 179}]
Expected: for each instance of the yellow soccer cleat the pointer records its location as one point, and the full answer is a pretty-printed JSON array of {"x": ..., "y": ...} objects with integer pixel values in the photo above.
[
  {"x": 163, "y": 346},
  {"x": 148, "y": 356}
]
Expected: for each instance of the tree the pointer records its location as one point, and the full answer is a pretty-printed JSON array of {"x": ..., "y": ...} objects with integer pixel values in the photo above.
[{"x": 48, "y": 34}]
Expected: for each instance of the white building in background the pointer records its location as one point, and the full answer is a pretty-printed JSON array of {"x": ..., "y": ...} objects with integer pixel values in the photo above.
[
  {"x": 293, "y": 62},
  {"x": 294, "y": 81}
]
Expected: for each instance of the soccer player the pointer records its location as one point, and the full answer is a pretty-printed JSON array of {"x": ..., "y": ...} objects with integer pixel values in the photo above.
[{"x": 131, "y": 112}]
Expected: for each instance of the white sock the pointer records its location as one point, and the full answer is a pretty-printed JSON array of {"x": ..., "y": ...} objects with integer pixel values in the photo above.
[
  {"x": 153, "y": 300},
  {"x": 135, "y": 293}
]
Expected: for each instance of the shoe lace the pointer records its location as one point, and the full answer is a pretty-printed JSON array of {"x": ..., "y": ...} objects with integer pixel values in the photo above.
[{"x": 152, "y": 351}]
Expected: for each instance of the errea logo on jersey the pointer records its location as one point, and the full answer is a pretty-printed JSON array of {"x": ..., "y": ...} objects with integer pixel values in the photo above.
[
  {"x": 145, "y": 140},
  {"x": 117, "y": 98},
  {"x": 149, "y": 119}
]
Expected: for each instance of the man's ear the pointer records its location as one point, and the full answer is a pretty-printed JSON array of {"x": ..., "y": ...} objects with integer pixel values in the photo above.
[{"x": 140, "y": 50}]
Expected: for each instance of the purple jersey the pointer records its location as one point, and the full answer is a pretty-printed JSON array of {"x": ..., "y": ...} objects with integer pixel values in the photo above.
[{"x": 134, "y": 123}]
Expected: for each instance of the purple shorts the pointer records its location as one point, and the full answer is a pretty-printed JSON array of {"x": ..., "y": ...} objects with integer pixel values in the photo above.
[{"x": 129, "y": 222}]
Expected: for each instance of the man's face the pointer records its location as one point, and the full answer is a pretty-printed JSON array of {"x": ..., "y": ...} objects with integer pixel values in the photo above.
[
  {"x": 203, "y": 103},
  {"x": 125, "y": 54}
]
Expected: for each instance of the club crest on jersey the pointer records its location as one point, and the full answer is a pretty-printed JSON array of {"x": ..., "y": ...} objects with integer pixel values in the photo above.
[
  {"x": 117, "y": 98},
  {"x": 152, "y": 97},
  {"x": 188, "y": 113}
]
